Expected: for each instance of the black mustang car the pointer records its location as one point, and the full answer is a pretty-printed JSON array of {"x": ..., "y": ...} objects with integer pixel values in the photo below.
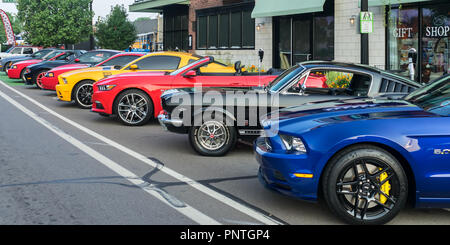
[
  {"x": 71, "y": 57},
  {"x": 215, "y": 118}
]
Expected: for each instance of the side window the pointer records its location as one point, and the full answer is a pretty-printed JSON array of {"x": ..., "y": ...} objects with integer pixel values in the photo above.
[
  {"x": 120, "y": 61},
  {"x": 65, "y": 56},
  {"x": 191, "y": 61},
  {"x": 16, "y": 51},
  {"x": 333, "y": 82},
  {"x": 159, "y": 62},
  {"x": 28, "y": 51}
]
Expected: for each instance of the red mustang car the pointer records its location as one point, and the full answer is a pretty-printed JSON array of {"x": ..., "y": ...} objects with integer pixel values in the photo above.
[
  {"x": 135, "y": 97},
  {"x": 17, "y": 70},
  {"x": 50, "y": 80}
]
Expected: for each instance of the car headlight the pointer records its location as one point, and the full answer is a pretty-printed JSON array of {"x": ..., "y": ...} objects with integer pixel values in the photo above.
[
  {"x": 14, "y": 67},
  {"x": 105, "y": 87},
  {"x": 293, "y": 144},
  {"x": 169, "y": 92},
  {"x": 50, "y": 74}
]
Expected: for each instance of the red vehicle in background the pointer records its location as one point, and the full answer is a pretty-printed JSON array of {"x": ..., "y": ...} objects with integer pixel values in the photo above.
[
  {"x": 50, "y": 80},
  {"x": 135, "y": 97},
  {"x": 17, "y": 69}
]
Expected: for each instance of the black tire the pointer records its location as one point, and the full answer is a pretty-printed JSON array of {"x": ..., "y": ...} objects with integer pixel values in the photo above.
[
  {"x": 5, "y": 68},
  {"x": 22, "y": 74},
  {"x": 349, "y": 164},
  {"x": 227, "y": 144},
  {"x": 82, "y": 94},
  {"x": 143, "y": 107}
]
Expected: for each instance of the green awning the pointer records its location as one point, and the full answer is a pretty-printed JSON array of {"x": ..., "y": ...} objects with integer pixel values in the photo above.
[
  {"x": 374, "y": 3},
  {"x": 153, "y": 6},
  {"x": 269, "y": 8}
]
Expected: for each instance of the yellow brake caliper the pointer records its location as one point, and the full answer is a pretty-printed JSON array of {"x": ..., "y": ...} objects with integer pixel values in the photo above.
[{"x": 385, "y": 188}]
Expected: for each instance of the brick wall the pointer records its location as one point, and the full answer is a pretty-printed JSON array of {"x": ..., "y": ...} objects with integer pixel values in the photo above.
[{"x": 347, "y": 37}]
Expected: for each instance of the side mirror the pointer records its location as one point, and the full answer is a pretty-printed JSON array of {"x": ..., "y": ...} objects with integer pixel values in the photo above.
[
  {"x": 134, "y": 67},
  {"x": 190, "y": 74},
  {"x": 77, "y": 60}
]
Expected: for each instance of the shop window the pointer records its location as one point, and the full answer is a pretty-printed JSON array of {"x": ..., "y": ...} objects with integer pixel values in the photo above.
[
  {"x": 224, "y": 34},
  {"x": 236, "y": 27},
  {"x": 230, "y": 27},
  {"x": 419, "y": 42}
]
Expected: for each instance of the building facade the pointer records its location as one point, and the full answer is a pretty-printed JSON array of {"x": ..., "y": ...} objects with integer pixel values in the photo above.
[{"x": 410, "y": 37}]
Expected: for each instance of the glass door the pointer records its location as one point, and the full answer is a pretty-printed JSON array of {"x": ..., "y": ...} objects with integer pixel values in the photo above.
[{"x": 302, "y": 40}]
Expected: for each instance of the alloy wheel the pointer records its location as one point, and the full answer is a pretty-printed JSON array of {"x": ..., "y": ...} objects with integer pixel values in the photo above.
[
  {"x": 133, "y": 108},
  {"x": 39, "y": 80},
  {"x": 212, "y": 135},
  {"x": 84, "y": 95},
  {"x": 368, "y": 189}
]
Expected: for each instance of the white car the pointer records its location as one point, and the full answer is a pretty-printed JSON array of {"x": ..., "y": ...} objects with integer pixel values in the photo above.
[{"x": 18, "y": 51}]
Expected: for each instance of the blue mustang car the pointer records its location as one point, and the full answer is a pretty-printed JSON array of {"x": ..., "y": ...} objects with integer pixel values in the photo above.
[{"x": 365, "y": 158}]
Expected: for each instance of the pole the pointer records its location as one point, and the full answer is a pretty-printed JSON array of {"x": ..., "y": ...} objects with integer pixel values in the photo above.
[
  {"x": 364, "y": 37},
  {"x": 91, "y": 36}
]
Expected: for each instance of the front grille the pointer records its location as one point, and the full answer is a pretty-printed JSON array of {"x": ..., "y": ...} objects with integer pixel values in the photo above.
[{"x": 278, "y": 175}]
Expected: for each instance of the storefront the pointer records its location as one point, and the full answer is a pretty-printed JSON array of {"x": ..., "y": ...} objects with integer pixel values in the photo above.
[
  {"x": 303, "y": 37},
  {"x": 418, "y": 42},
  {"x": 175, "y": 12}
]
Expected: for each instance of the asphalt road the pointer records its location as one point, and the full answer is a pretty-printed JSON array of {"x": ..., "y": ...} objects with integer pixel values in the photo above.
[{"x": 63, "y": 165}]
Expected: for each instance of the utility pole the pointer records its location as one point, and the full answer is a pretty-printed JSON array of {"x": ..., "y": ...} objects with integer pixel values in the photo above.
[{"x": 364, "y": 37}]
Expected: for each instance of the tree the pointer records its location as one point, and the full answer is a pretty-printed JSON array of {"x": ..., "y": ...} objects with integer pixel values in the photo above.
[
  {"x": 16, "y": 24},
  {"x": 116, "y": 31},
  {"x": 53, "y": 22}
]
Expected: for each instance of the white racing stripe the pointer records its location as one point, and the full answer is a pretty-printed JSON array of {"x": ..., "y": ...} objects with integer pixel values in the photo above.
[
  {"x": 186, "y": 210},
  {"x": 204, "y": 189}
]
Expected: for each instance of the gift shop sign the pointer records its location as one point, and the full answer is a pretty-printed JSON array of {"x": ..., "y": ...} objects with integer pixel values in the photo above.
[{"x": 440, "y": 27}]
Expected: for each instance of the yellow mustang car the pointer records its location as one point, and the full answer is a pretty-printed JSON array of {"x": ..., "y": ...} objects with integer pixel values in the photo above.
[{"x": 77, "y": 85}]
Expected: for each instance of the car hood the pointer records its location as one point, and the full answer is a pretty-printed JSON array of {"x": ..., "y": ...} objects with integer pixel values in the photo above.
[
  {"x": 86, "y": 69},
  {"x": 53, "y": 63},
  {"x": 27, "y": 62},
  {"x": 315, "y": 115},
  {"x": 70, "y": 66}
]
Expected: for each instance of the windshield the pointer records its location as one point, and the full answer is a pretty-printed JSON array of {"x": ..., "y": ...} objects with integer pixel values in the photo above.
[
  {"x": 185, "y": 68},
  {"x": 434, "y": 98},
  {"x": 53, "y": 54},
  {"x": 41, "y": 53},
  {"x": 285, "y": 77},
  {"x": 95, "y": 57}
]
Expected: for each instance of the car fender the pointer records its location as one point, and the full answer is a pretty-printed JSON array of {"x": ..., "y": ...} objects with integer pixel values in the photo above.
[{"x": 367, "y": 139}]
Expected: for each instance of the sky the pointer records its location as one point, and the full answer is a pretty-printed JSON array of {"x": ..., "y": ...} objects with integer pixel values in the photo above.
[{"x": 101, "y": 8}]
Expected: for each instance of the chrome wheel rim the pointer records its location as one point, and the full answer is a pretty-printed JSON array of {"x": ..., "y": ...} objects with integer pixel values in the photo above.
[
  {"x": 133, "y": 108},
  {"x": 84, "y": 95},
  {"x": 212, "y": 135},
  {"x": 360, "y": 190}
]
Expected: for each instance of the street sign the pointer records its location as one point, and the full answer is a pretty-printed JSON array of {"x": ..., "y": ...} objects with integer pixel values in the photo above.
[{"x": 366, "y": 22}]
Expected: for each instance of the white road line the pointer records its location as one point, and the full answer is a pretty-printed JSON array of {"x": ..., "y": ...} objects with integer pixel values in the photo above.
[
  {"x": 186, "y": 210},
  {"x": 208, "y": 191}
]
